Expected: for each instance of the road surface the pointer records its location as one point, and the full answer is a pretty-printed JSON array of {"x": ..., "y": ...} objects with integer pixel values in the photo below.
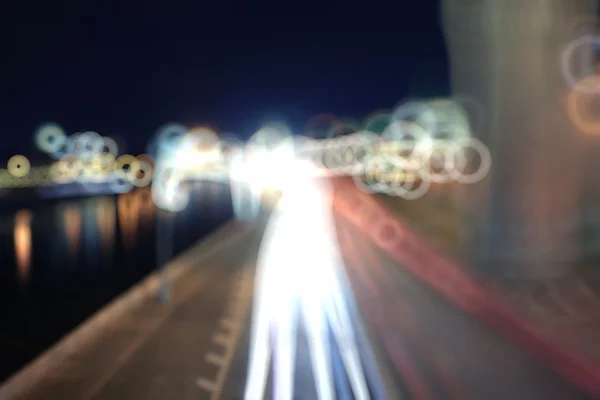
[
  {"x": 439, "y": 351},
  {"x": 196, "y": 346}
]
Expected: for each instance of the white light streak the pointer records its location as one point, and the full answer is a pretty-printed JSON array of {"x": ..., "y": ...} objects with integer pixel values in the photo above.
[{"x": 297, "y": 281}]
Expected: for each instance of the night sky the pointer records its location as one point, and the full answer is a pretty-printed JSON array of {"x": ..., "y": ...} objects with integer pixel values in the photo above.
[{"x": 125, "y": 69}]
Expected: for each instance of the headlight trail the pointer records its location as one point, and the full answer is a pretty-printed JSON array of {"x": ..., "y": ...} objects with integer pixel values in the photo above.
[
  {"x": 368, "y": 294},
  {"x": 297, "y": 281},
  {"x": 398, "y": 315}
]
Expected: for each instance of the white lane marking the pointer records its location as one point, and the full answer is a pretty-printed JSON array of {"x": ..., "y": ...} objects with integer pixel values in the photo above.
[
  {"x": 222, "y": 339},
  {"x": 207, "y": 385},
  {"x": 214, "y": 359},
  {"x": 233, "y": 339},
  {"x": 155, "y": 324}
]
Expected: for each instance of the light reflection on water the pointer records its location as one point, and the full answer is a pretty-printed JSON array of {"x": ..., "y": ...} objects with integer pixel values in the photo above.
[
  {"x": 22, "y": 239},
  {"x": 146, "y": 207},
  {"x": 128, "y": 210},
  {"x": 88, "y": 225},
  {"x": 95, "y": 221},
  {"x": 60, "y": 261},
  {"x": 72, "y": 223},
  {"x": 105, "y": 220}
]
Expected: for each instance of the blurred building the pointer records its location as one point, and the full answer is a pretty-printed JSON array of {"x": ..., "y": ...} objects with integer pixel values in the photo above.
[{"x": 506, "y": 54}]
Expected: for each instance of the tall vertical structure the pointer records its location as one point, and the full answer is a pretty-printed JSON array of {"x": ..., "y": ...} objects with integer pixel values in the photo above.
[{"x": 506, "y": 55}]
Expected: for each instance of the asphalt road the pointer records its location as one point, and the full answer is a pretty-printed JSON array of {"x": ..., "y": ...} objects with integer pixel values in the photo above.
[
  {"x": 439, "y": 351},
  {"x": 196, "y": 346},
  {"x": 374, "y": 365}
]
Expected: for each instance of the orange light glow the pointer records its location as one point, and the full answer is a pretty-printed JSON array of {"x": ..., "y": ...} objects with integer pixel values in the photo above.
[
  {"x": 579, "y": 105},
  {"x": 73, "y": 227},
  {"x": 128, "y": 210},
  {"x": 22, "y": 238},
  {"x": 106, "y": 220}
]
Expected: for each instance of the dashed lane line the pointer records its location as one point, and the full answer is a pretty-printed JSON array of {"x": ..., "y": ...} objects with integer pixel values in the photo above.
[{"x": 233, "y": 322}]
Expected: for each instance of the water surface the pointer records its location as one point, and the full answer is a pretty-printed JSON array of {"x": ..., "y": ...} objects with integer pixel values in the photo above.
[{"x": 60, "y": 261}]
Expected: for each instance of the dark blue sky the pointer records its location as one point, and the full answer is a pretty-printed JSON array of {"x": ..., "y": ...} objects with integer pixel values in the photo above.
[{"x": 125, "y": 69}]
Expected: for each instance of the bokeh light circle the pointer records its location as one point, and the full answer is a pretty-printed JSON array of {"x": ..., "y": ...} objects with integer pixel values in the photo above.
[
  {"x": 87, "y": 144},
  {"x": 70, "y": 166},
  {"x": 50, "y": 138},
  {"x": 168, "y": 138},
  {"x": 360, "y": 182},
  {"x": 203, "y": 139},
  {"x": 416, "y": 111},
  {"x": 125, "y": 166},
  {"x": 579, "y": 107},
  {"x": 339, "y": 155},
  {"x": 485, "y": 165},
  {"x": 72, "y": 144},
  {"x": 452, "y": 120},
  {"x": 18, "y": 166},
  {"x": 147, "y": 158},
  {"x": 373, "y": 163},
  {"x": 402, "y": 149},
  {"x": 141, "y": 173},
  {"x": 64, "y": 149},
  {"x": 59, "y": 175},
  {"x": 109, "y": 146},
  {"x": 167, "y": 190},
  {"x": 373, "y": 181},
  {"x": 407, "y": 138},
  {"x": 268, "y": 138},
  {"x": 567, "y": 58},
  {"x": 89, "y": 172},
  {"x": 101, "y": 165},
  {"x": 447, "y": 150}
]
